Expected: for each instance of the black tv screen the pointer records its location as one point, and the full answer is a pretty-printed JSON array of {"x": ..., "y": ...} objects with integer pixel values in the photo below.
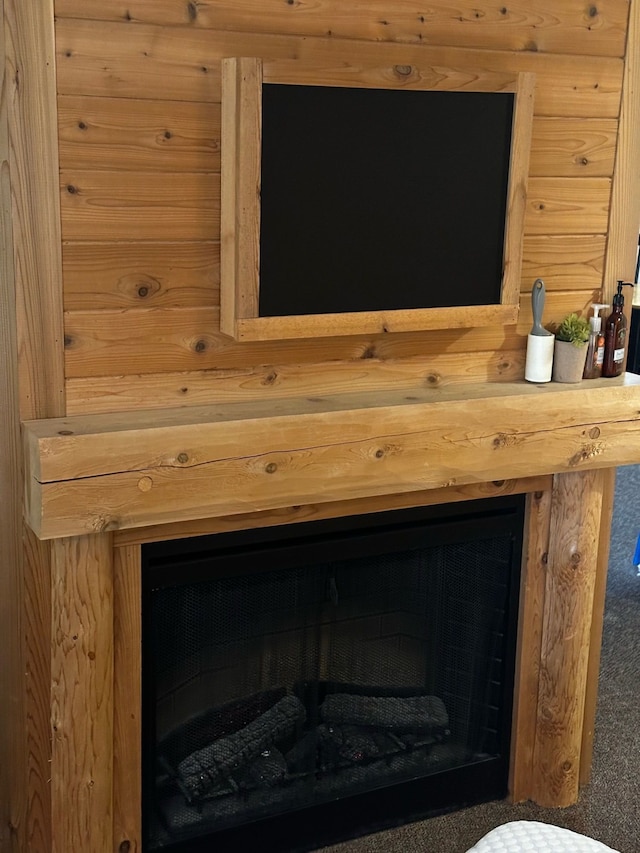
[{"x": 379, "y": 199}]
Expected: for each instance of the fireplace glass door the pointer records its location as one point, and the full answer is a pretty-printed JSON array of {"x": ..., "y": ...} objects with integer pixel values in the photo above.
[{"x": 315, "y": 681}]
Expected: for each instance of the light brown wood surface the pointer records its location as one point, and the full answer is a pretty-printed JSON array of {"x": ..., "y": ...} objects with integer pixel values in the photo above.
[
  {"x": 122, "y": 134},
  {"x": 164, "y": 61},
  {"x": 116, "y": 471},
  {"x": 575, "y": 120},
  {"x": 335, "y": 509},
  {"x": 82, "y": 695},
  {"x": 13, "y": 741},
  {"x": 565, "y": 28},
  {"x": 573, "y": 147},
  {"x": 597, "y": 624},
  {"x": 564, "y": 660},
  {"x": 32, "y": 386},
  {"x": 240, "y": 190},
  {"x": 147, "y": 61},
  {"x": 272, "y": 381},
  {"x": 530, "y": 622},
  {"x": 121, "y": 205},
  {"x": 127, "y": 698},
  {"x": 134, "y": 275},
  {"x": 158, "y": 340}
]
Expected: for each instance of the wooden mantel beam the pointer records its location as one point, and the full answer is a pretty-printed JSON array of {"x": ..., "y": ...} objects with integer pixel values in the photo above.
[{"x": 89, "y": 474}]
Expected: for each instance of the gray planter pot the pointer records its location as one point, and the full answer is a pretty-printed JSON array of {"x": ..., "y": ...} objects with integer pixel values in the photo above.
[{"x": 568, "y": 361}]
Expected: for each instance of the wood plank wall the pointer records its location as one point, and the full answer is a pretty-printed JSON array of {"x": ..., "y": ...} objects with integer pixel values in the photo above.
[{"x": 139, "y": 137}]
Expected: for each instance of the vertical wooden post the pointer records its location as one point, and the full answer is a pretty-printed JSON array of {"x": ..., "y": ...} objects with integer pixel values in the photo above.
[
  {"x": 31, "y": 386},
  {"x": 597, "y": 621},
  {"x": 82, "y": 694},
  {"x": 127, "y": 759},
  {"x": 13, "y": 777},
  {"x": 530, "y": 624},
  {"x": 564, "y": 661}
]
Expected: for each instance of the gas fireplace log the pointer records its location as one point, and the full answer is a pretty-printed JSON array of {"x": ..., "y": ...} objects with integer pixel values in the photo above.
[
  {"x": 411, "y": 713},
  {"x": 202, "y": 771}
]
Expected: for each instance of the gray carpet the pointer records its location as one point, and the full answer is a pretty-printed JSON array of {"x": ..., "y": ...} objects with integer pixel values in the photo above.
[{"x": 609, "y": 807}]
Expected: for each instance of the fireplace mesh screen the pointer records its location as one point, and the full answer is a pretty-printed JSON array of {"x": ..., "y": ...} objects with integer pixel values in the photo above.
[{"x": 280, "y": 688}]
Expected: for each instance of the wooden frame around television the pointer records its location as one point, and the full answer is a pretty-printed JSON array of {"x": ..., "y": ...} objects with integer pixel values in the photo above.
[{"x": 242, "y": 79}]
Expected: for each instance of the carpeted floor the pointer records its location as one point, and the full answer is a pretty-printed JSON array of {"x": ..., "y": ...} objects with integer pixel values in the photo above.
[{"x": 609, "y": 808}]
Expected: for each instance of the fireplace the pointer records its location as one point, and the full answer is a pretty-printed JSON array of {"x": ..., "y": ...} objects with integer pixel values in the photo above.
[{"x": 312, "y": 682}]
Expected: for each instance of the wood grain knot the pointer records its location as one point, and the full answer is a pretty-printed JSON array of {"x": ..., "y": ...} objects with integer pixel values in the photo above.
[
  {"x": 125, "y": 846},
  {"x": 145, "y": 484},
  {"x": 434, "y": 379},
  {"x": 498, "y": 483},
  {"x": 183, "y": 457},
  {"x": 65, "y": 432},
  {"x": 567, "y": 766},
  {"x": 379, "y": 453},
  {"x": 594, "y": 433},
  {"x": 102, "y": 524},
  {"x": 403, "y": 70},
  {"x": 271, "y": 468},
  {"x": 575, "y": 558},
  {"x": 589, "y": 451}
]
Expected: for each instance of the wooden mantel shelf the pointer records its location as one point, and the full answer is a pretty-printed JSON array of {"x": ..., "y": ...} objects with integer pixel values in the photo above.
[{"x": 88, "y": 474}]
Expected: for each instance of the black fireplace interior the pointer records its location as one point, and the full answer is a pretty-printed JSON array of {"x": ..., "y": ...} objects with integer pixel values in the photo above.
[{"x": 308, "y": 683}]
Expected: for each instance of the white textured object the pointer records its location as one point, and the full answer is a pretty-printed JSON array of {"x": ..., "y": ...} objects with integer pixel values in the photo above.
[
  {"x": 530, "y": 836},
  {"x": 539, "y": 358}
]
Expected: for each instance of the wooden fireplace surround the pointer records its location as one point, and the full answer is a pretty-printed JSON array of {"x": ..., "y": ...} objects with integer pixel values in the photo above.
[
  {"x": 94, "y": 487},
  {"x": 100, "y": 486}
]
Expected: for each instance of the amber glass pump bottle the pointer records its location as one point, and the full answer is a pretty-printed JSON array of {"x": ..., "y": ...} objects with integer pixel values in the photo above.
[{"x": 615, "y": 335}]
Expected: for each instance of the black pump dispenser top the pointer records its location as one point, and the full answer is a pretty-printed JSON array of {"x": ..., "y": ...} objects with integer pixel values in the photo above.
[{"x": 618, "y": 299}]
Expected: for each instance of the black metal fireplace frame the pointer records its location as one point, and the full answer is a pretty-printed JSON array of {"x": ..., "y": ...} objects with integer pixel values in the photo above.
[{"x": 255, "y": 550}]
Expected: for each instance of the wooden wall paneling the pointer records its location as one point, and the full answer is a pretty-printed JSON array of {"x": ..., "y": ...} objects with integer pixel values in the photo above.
[
  {"x": 184, "y": 274},
  {"x": 569, "y": 29},
  {"x": 567, "y": 206},
  {"x": 149, "y": 62},
  {"x": 569, "y": 147},
  {"x": 127, "y": 699},
  {"x": 564, "y": 261},
  {"x": 82, "y": 695},
  {"x": 530, "y": 624},
  {"x": 149, "y": 390},
  {"x": 139, "y": 206},
  {"x": 155, "y": 340},
  {"x": 123, "y": 134},
  {"x": 564, "y": 664}
]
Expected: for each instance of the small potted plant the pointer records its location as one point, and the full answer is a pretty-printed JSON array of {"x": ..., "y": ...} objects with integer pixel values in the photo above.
[{"x": 570, "y": 349}]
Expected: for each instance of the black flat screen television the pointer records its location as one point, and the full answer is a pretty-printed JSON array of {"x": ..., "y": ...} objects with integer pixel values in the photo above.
[{"x": 380, "y": 199}]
